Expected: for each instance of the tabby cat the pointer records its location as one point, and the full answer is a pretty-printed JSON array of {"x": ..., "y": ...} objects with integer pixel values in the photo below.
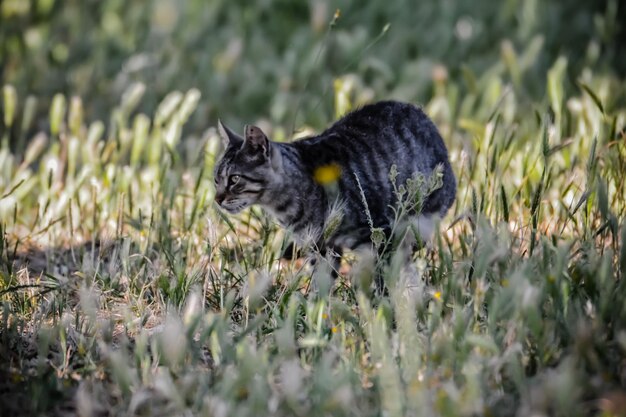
[{"x": 347, "y": 166}]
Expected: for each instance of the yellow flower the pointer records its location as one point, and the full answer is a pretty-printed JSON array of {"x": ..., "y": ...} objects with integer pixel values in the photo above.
[
  {"x": 437, "y": 295},
  {"x": 334, "y": 329},
  {"x": 324, "y": 316},
  {"x": 326, "y": 174}
]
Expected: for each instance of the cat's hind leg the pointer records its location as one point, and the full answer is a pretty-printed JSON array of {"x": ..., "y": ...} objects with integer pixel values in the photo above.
[
  {"x": 418, "y": 231},
  {"x": 408, "y": 237}
]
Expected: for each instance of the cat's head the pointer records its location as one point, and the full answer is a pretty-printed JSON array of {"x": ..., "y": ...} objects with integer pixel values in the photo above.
[{"x": 249, "y": 168}]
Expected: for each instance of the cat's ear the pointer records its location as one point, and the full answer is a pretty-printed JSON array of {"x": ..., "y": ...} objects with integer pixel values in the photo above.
[
  {"x": 228, "y": 136},
  {"x": 257, "y": 140}
]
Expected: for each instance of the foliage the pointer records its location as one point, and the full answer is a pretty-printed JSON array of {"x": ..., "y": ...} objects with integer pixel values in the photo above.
[
  {"x": 123, "y": 291},
  {"x": 278, "y": 58}
]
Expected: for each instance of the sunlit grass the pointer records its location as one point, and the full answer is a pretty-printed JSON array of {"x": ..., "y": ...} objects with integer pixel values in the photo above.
[{"x": 125, "y": 292}]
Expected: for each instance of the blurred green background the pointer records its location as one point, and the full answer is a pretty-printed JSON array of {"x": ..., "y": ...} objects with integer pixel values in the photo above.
[{"x": 275, "y": 58}]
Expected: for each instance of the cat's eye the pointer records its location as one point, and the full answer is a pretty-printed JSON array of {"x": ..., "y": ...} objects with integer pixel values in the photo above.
[{"x": 234, "y": 179}]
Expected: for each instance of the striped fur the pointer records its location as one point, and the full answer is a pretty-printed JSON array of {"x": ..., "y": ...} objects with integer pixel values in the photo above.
[{"x": 361, "y": 147}]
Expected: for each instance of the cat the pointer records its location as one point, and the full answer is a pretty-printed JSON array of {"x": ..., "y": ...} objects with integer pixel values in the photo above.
[{"x": 345, "y": 169}]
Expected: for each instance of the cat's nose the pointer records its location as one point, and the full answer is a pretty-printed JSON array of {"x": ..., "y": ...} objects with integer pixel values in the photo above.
[{"x": 219, "y": 198}]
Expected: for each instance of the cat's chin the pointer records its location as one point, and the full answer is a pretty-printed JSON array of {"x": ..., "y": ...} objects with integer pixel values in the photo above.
[{"x": 233, "y": 210}]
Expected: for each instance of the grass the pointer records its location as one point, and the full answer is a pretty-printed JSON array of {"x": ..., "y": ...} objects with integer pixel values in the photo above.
[{"x": 124, "y": 292}]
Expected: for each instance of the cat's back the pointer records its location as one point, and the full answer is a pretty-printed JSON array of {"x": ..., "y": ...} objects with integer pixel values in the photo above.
[
  {"x": 385, "y": 125},
  {"x": 378, "y": 116},
  {"x": 366, "y": 142}
]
